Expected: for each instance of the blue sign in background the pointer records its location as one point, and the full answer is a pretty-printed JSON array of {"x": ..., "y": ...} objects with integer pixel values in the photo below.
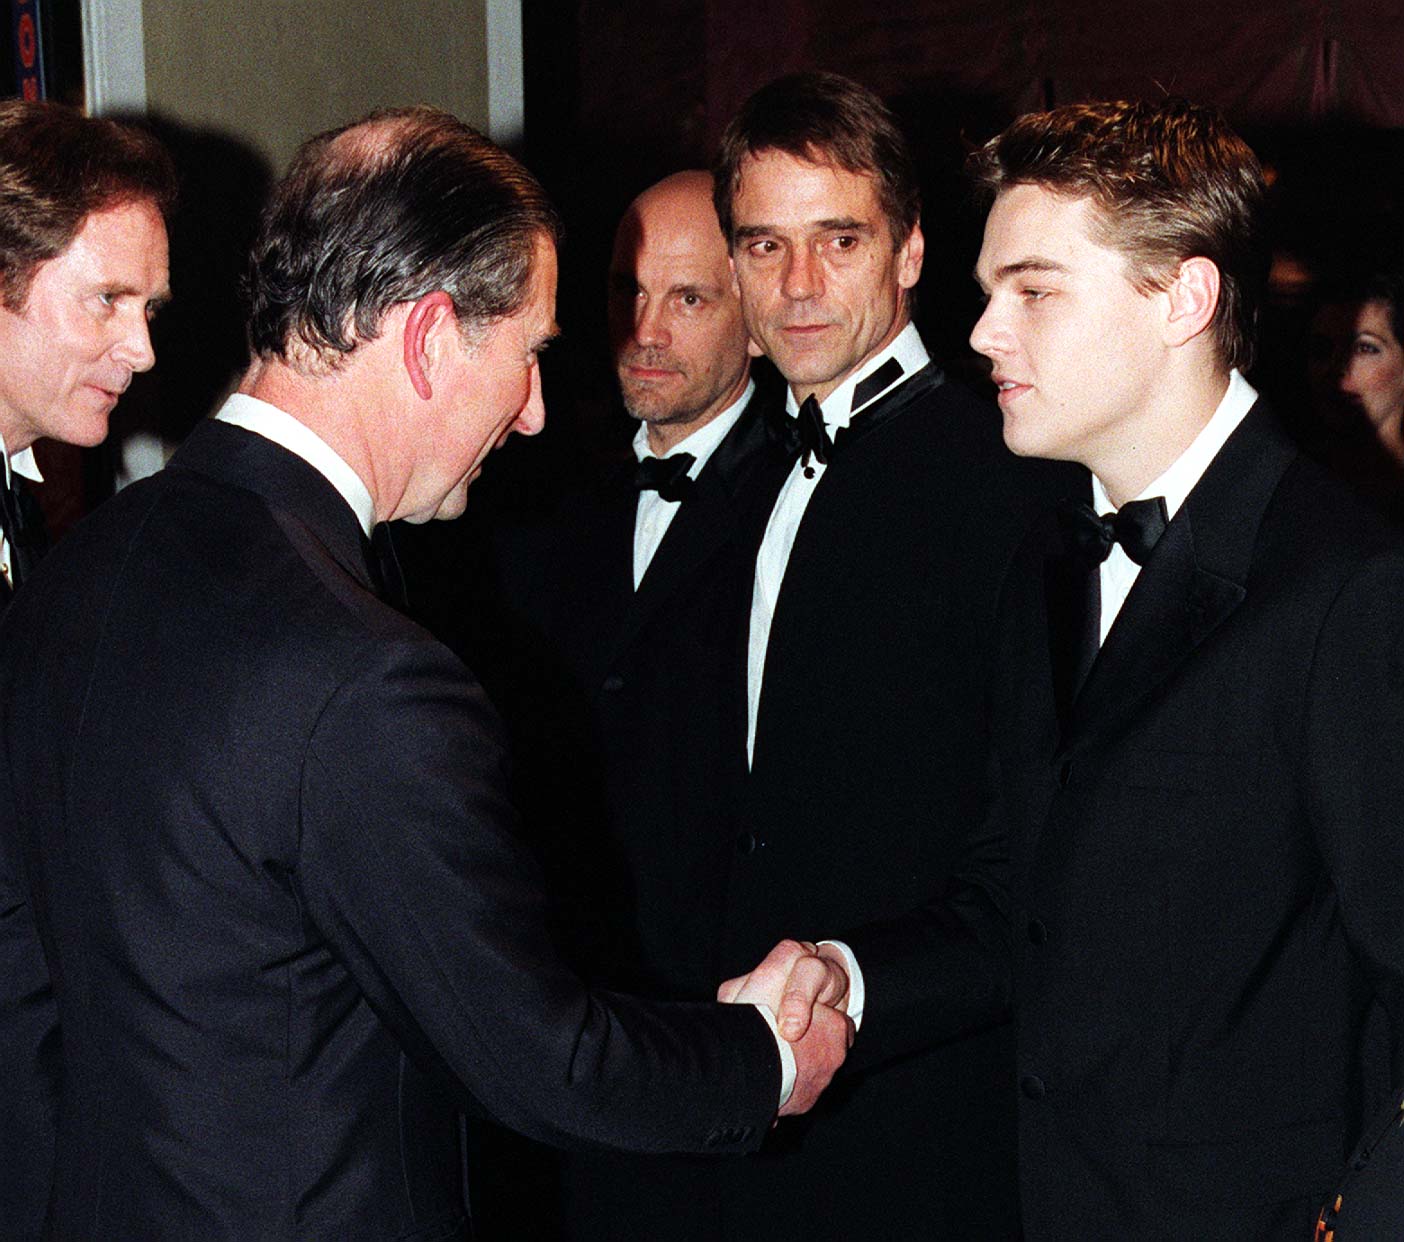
[{"x": 28, "y": 47}]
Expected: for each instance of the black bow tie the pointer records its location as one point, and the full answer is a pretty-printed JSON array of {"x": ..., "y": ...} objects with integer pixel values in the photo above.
[
  {"x": 13, "y": 525},
  {"x": 1136, "y": 526},
  {"x": 805, "y": 435},
  {"x": 665, "y": 475}
]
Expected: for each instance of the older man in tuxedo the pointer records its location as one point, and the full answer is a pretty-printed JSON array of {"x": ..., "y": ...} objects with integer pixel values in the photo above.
[
  {"x": 261, "y": 816},
  {"x": 1198, "y": 700},
  {"x": 627, "y": 703},
  {"x": 865, "y": 729},
  {"x": 83, "y": 267}
]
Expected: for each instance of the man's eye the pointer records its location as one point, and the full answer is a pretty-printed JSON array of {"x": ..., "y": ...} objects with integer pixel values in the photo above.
[
  {"x": 845, "y": 242},
  {"x": 762, "y": 247},
  {"x": 691, "y": 299},
  {"x": 1034, "y": 295}
]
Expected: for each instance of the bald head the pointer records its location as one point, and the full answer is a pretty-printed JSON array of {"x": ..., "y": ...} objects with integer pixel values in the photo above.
[{"x": 680, "y": 347}]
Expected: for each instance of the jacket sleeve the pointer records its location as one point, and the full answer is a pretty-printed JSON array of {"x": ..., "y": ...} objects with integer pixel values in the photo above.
[{"x": 411, "y": 867}]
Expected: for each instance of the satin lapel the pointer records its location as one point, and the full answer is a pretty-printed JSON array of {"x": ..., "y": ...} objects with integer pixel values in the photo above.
[
  {"x": 887, "y": 407},
  {"x": 1194, "y": 580}
]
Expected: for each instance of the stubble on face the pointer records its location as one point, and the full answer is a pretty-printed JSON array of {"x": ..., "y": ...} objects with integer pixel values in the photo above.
[
  {"x": 823, "y": 287},
  {"x": 680, "y": 347}
]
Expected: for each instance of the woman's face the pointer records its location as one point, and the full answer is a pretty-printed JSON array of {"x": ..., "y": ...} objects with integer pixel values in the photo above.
[{"x": 1359, "y": 365}]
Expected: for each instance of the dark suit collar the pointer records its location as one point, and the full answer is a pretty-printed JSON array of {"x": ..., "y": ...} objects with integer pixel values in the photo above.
[
  {"x": 286, "y": 484},
  {"x": 1191, "y": 584}
]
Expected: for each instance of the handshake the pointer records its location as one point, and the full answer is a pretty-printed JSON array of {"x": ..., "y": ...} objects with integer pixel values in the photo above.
[{"x": 806, "y": 988}]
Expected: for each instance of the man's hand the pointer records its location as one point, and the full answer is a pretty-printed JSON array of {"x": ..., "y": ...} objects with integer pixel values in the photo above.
[
  {"x": 793, "y": 982},
  {"x": 827, "y": 1039}
]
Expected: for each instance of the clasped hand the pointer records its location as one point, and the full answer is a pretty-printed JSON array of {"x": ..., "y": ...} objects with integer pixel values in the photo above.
[{"x": 806, "y": 987}]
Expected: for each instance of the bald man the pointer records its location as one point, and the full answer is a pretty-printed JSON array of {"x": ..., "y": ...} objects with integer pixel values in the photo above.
[{"x": 640, "y": 604}]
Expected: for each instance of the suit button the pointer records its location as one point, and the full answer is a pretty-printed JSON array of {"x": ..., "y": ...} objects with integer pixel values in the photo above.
[
  {"x": 613, "y": 682},
  {"x": 1032, "y": 1087},
  {"x": 714, "y": 1139},
  {"x": 1064, "y": 774},
  {"x": 1038, "y": 931},
  {"x": 747, "y": 843}
]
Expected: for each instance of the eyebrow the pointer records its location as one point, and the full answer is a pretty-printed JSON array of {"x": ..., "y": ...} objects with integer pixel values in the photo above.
[
  {"x": 1034, "y": 263},
  {"x": 837, "y": 224}
]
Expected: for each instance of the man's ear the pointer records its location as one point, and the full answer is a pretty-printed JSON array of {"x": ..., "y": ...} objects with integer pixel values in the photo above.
[
  {"x": 425, "y": 335},
  {"x": 1192, "y": 297},
  {"x": 909, "y": 257}
]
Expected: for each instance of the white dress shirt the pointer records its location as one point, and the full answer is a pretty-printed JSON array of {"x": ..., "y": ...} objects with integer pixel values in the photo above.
[
  {"x": 1119, "y": 571},
  {"x": 274, "y": 424},
  {"x": 792, "y": 501},
  {"x": 654, "y": 514},
  {"x": 24, "y": 465},
  {"x": 838, "y": 411}
]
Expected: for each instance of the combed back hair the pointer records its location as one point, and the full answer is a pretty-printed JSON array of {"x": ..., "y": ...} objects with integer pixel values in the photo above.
[
  {"x": 401, "y": 204},
  {"x": 58, "y": 167},
  {"x": 821, "y": 118},
  {"x": 1170, "y": 181}
]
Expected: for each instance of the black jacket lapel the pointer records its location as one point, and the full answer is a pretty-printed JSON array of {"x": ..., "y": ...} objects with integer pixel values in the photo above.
[
  {"x": 1192, "y": 582},
  {"x": 720, "y": 509}
]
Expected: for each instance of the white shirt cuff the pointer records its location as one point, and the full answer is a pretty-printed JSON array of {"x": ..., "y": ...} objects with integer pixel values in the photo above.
[
  {"x": 857, "y": 993},
  {"x": 787, "y": 1057}
]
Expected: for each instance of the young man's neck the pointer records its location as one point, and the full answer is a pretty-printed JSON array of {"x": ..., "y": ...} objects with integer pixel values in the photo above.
[{"x": 1139, "y": 451}]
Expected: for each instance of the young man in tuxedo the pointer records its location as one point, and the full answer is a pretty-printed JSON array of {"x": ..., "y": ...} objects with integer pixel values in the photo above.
[
  {"x": 865, "y": 731},
  {"x": 1198, "y": 704},
  {"x": 260, "y": 816},
  {"x": 83, "y": 266}
]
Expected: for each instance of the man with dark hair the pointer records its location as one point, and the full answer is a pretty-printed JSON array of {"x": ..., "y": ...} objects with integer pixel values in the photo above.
[
  {"x": 83, "y": 266},
  {"x": 289, "y": 922},
  {"x": 1198, "y": 703},
  {"x": 870, "y": 607}
]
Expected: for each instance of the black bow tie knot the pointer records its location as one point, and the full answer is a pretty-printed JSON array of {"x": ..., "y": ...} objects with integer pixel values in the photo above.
[
  {"x": 668, "y": 476},
  {"x": 1136, "y": 526},
  {"x": 805, "y": 435}
]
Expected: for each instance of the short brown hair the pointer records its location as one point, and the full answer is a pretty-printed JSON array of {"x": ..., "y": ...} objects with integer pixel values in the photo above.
[
  {"x": 58, "y": 167},
  {"x": 822, "y": 118},
  {"x": 1170, "y": 181},
  {"x": 388, "y": 209}
]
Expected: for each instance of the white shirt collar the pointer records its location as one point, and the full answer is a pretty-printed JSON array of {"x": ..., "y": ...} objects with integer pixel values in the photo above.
[
  {"x": 21, "y": 463},
  {"x": 283, "y": 429},
  {"x": 906, "y": 347},
  {"x": 1176, "y": 483},
  {"x": 702, "y": 442}
]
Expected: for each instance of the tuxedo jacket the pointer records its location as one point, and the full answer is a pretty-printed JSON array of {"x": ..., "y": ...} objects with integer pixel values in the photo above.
[
  {"x": 1209, "y": 858},
  {"x": 855, "y": 822},
  {"x": 859, "y": 821},
  {"x": 289, "y": 924}
]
